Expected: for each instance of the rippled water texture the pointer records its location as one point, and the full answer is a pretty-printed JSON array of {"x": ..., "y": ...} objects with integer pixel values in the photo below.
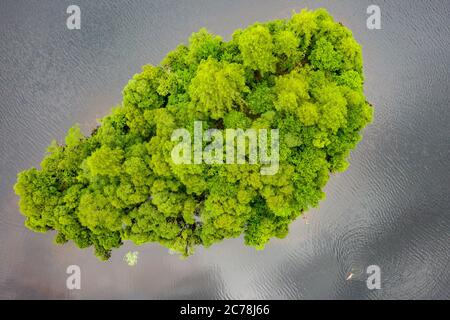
[{"x": 391, "y": 208}]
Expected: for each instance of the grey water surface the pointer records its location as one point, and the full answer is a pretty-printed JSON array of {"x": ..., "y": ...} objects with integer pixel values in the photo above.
[{"x": 391, "y": 208}]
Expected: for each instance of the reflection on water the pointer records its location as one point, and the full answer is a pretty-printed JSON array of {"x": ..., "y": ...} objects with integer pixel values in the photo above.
[{"x": 391, "y": 208}]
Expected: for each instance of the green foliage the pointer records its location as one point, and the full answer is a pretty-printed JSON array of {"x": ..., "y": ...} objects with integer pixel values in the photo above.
[
  {"x": 256, "y": 46},
  {"x": 302, "y": 75},
  {"x": 217, "y": 87},
  {"x": 131, "y": 258}
]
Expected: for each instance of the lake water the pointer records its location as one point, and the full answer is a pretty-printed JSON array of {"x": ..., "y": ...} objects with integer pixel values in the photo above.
[{"x": 391, "y": 208}]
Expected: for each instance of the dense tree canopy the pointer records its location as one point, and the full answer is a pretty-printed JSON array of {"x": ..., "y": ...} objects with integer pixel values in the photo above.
[{"x": 301, "y": 75}]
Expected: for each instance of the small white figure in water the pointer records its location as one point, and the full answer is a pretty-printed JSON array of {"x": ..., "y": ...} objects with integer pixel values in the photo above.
[
  {"x": 131, "y": 258},
  {"x": 306, "y": 219},
  {"x": 350, "y": 276}
]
